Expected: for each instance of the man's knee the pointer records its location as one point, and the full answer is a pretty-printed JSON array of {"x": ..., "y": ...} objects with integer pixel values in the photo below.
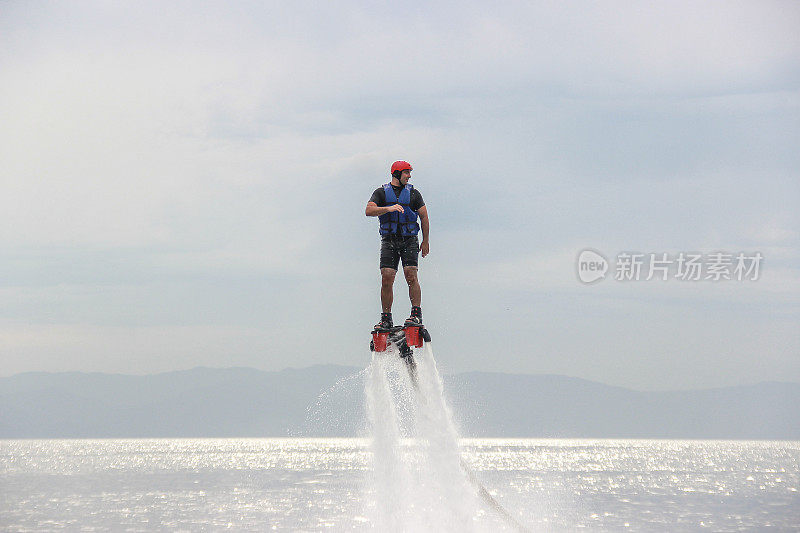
[
  {"x": 387, "y": 277},
  {"x": 411, "y": 275}
]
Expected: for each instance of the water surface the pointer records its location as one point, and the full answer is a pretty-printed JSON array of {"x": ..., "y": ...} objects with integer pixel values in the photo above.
[{"x": 325, "y": 484}]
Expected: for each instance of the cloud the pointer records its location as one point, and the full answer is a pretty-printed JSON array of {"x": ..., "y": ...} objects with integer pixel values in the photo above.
[{"x": 156, "y": 152}]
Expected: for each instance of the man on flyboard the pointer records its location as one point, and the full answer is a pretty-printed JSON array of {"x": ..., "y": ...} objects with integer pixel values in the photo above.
[{"x": 398, "y": 206}]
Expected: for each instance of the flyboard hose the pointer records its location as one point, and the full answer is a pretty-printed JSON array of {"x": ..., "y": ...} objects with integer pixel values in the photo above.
[
  {"x": 491, "y": 502},
  {"x": 487, "y": 498}
]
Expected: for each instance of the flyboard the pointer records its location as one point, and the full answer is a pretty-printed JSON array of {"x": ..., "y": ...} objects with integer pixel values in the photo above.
[{"x": 406, "y": 338}]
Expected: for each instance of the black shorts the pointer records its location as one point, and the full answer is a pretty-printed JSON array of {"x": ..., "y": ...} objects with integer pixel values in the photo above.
[{"x": 395, "y": 247}]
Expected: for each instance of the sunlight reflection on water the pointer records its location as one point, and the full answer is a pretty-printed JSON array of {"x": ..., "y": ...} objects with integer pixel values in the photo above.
[{"x": 316, "y": 484}]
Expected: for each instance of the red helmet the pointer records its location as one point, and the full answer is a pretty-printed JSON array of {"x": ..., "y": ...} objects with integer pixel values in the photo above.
[{"x": 401, "y": 165}]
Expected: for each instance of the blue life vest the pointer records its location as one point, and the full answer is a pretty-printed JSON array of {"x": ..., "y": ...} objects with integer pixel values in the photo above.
[{"x": 407, "y": 220}]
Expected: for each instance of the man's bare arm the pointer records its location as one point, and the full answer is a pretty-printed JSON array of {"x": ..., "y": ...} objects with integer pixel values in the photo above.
[
  {"x": 374, "y": 211},
  {"x": 425, "y": 225}
]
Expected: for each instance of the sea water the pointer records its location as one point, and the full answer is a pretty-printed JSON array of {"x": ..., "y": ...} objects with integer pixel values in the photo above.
[
  {"x": 324, "y": 484},
  {"x": 409, "y": 472}
]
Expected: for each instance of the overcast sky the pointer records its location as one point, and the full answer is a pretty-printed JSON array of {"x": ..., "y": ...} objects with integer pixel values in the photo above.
[{"x": 184, "y": 184}]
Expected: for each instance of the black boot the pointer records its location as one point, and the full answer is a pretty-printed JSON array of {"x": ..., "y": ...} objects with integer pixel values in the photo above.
[
  {"x": 386, "y": 321},
  {"x": 416, "y": 316}
]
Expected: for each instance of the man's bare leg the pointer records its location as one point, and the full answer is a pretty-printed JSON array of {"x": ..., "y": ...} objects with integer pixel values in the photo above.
[
  {"x": 387, "y": 288},
  {"x": 414, "y": 290}
]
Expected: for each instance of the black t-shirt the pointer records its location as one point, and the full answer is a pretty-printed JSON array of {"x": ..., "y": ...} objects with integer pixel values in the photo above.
[{"x": 379, "y": 197}]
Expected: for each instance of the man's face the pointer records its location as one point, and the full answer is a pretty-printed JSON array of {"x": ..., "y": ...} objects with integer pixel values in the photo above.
[{"x": 405, "y": 176}]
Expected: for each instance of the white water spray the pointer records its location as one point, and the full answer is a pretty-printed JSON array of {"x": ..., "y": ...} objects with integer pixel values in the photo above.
[{"x": 419, "y": 480}]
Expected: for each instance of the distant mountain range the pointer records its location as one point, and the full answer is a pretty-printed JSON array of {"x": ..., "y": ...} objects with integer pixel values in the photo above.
[{"x": 327, "y": 400}]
